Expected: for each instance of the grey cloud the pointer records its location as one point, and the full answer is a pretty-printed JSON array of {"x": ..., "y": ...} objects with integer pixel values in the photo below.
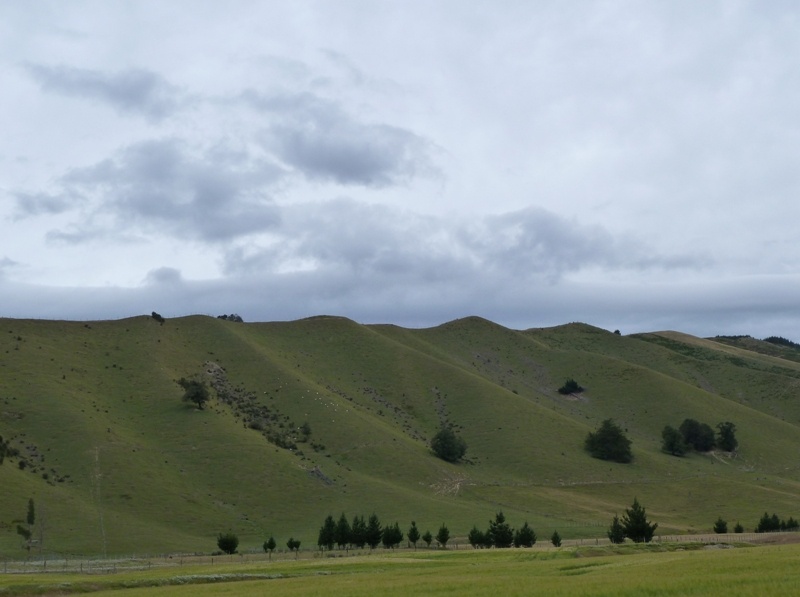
[
  {"x": 133, "y": 90},
  {"x": 322, "y": 142},
  {"x": 34, "y": 204},
  {"x": 163, "y": 275},
  {"x": 163, "y": 187},
  {"x": 353, "y": 240}
]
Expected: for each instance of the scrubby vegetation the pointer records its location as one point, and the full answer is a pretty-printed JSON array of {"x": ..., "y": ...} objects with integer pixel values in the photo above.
[{"x": 609, "y": 442}]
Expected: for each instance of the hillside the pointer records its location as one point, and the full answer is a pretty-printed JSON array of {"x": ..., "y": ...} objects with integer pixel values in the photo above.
[{"x": 116, "y": 462}]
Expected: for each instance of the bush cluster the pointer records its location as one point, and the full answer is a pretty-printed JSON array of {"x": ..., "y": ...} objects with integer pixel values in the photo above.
[
  {"x": 693, "y": 435},
  {"x": 500, "y": 534}
]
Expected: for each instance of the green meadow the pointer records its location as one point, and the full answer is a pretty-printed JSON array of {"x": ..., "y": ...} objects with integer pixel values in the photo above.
[
  {"x": 118, "y": 464},
  {"x": 659, "y": 570}
]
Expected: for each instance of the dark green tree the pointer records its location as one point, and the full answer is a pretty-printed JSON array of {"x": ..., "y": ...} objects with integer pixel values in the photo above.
[
  {"x": 443, "y": 536},
  {"x": 343, "y": 534},
  {"x": 720, "y": 526},
  {"x": 194, "y": 391},
  {"x": 525, "y": 536},
  {"x": 270, "y": 545},
  {"x": 392, "y": 536},
  {"x": 374, "y": 531},
  {"x": 327, "y": 534},
  {"x": 726, "y": 438},
  {"x": 556, "y": 539},
  {"x": 570, "y": 387},
  {"x": 609, "y": 443},
  {"x": 637, "y": 528},
  {"x": 616, "y": 533},
  {"x": 500, "y": 532},
  {"x": 427, "y": 538},
  {"x": 697, "y": 435},
  {"x": 413, "y": 534},
  {"x": 672, "y": 441},
  {"x": 294, "y": 545},
  {"x": 476, "y": 537},
  {"x": 358, "y": 532},
  {"x": 738, "y": 528},
  {"x": 448, "y": 446},
  {"x": 227, "y": 542}
]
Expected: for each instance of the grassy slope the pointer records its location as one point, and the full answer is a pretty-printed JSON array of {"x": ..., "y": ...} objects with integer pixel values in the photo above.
[{"x": 147, "y": 472}]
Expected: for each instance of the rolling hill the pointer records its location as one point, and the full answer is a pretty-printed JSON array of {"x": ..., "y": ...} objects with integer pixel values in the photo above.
[{"x": 325, "y": 415}]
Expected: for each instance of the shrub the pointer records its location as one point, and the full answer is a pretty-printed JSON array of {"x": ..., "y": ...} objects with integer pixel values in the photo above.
[
  {"x": 738, "y": 528},
  {"x": 726, "y": 439},
  {"x": 616, "y": 533},
  {"x": 570, "y": 387},
  {"x": 720, "y": 526},
  {"x": 228, "y": 542},
  {"x": 525, "y": 536},
  {"x": 672, "y": 441},
  {"x": 697, "y": 435},
  {"x": 556, "y": 539}
]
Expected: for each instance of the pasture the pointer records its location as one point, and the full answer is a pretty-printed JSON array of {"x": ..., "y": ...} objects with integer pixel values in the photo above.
[{"x": 656, "y": 569}]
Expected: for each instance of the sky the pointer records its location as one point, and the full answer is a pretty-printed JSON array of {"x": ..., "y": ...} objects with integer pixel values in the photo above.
[{"x": 628, "y": 164}]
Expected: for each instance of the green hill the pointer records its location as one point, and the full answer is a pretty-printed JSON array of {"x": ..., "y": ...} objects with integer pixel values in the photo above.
[{"x": 324, "y": 415}]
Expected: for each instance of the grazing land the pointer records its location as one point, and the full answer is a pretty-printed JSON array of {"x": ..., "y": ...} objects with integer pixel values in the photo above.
[
  {"x": 324, "y": 416},
  {"x": 655, "y": 569}
]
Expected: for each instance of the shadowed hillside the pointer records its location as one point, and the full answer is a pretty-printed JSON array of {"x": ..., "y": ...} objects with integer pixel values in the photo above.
[{"x": 324, "y": 415}]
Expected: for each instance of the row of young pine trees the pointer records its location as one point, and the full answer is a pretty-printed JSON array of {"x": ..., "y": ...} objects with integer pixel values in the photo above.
[{"x": 634, "y": 525}]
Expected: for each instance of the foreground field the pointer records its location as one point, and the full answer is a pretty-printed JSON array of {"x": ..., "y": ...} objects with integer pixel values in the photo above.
[{"x": 670, "y": 569}]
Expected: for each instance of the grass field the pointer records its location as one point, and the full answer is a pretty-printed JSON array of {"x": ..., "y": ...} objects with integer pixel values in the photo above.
[{"x": 657, "y": 570}]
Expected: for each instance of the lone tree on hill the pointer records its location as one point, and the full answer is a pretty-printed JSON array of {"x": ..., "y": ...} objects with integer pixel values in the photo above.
[
  {"x": 570, "y": 387},
  {"x": 448, "y": 446},
  {"x": 609, "y": 443},
  {"x": 227, "y": 542},
  {"x": 194, "y": 391},
  {"x": 637, "y": 528},
  {"x": 672, "y": 441}
]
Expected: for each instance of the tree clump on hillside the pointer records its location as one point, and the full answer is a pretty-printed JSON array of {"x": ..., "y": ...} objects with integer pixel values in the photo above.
[
  {"x": 726, "y": 438},
  {"x": 771, "y": 524},
  {"x": 609, "y": 443},
  {"x": 232, "y": 317},
  {"x": 672, "y": 441},
  {"x": 448, "y": 446},
  {"x": 697, "y": 435}
]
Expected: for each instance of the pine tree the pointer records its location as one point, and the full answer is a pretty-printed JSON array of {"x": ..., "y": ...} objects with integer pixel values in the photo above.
[
  {"x": 500, "y": 532},
  {"x": 525, "y": 536},
  {"x": 443, "y": 536},
  {"x": 413, "y": 534},
  {"x": 616, "y": 534},
  {"x": 343, "y": 533},
  {"x": 637, "y": 528},
  {"x": 476, "y": 537},
  {"x": 374, "y": 531},
  {"x": 556, "y": 539},
  {"x": 427, "y": 538},
  {"x": 720, "y": 526},
  {"x": 358, "y": 532},
  {"x": 609, "y": 443},
  {"x": 327, "y": 534}
]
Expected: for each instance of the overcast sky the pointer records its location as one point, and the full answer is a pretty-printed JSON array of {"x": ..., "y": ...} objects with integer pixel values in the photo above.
[{"x": 630, "y": 164}]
